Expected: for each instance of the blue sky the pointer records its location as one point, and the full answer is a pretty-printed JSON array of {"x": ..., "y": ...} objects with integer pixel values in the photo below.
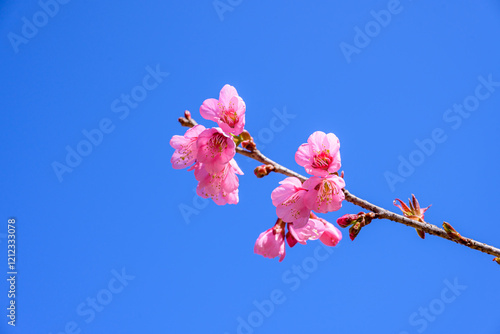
[{"x": 411, "y": 88}]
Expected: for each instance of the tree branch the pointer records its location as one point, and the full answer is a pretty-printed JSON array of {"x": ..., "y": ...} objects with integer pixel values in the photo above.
[{"x": 381, "y": 212}]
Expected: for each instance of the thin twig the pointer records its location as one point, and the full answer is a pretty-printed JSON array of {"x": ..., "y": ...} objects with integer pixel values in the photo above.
[{"x": 381, "y": 212}]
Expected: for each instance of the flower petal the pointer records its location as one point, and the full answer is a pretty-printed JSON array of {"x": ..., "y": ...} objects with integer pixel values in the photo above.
[
  {"x": 303, "y": 155},
  {"x": 226, "y": 93},
  {"x": 210, "y": 110}
]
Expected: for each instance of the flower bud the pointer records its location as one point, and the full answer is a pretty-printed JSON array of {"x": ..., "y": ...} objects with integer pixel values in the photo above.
[
  {"x": 497, "y": 259},
  {"x": 331, "y": 236},
  {"x": 245, "y": 135},
  {"x": 347, "y": 220},
  {"x": 263, "y": 170},
  {"x": 354, "y": 230},
  {"x": 452, "y": 232},
  {"x": 187, "y": 114},
  {"x": 420, "y": 233},
  {"x": 290, "y": 239},
  {"x": 413, "y": 211},
  {"x": 248, "y": 145}
]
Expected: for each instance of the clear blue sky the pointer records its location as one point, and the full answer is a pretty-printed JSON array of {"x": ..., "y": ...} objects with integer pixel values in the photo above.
[{"x": 411, "y": 88}]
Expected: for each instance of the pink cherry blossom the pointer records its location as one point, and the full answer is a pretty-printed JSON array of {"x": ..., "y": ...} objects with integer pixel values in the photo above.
[
  {"x": 320, "y": 156},
  {"x": 313, "y": 230},
  {"x": 271, "y": 243},
  {"x": 228, "y": 111},
  {"x": 221, "y": 187},
  {"x": 289, "y": 201},
  {"x": 215, "y": 149},
  {"x": 331, "y": 235},
  {"x": 324, "y": 193},
  {"x": 185, "y": 147}
]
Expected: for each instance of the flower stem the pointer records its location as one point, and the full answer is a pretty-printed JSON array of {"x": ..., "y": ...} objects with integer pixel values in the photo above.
[{"x": 380, "y": 212}]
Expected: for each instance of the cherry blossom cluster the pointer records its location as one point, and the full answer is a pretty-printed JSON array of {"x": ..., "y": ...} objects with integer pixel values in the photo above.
[
  {"x": 210, "y": 152},
  {"x": 295, "y": 201}
]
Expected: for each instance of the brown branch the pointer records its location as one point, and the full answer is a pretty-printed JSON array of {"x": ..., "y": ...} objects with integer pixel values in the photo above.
[{"x": 381, "y": 212}]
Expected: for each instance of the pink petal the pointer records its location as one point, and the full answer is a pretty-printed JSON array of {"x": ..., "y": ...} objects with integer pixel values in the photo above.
[
  {"x": 237, "y": 169},
  {"x": 226, "y": 93},
  {"x": 331, "y": 143},
  {"x": 296, "y": 213},
  {"x": 180, "y": 161},
  {"x": 311, "y": 231},
  {"x": 232, "y": 197},
  {"x": 221, "y": 187},
  {"x": 315, "y": 171},
  {"x": 240, "y": 126},
  {"x": 290, "y": 239},
  {"x": 228, "y": 153},
  {"x": 282, "y": 251},
  {"x": 303, "y": 155},
  {"x": 185, "y": 147},
  {"x": 316, "y": 140},
  {"x": 331, "y": 236},
  {"x": 195, "y": 131},
  {"x": 177, "y": 141},
  {"x": 286, "y": 189},
  {"x": 270, "y": 244},
  {"x": 210, "y": 109},
  {"x": 230, "y": 182}
]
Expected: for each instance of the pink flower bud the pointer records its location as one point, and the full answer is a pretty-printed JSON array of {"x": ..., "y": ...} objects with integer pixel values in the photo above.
[
  {"x": 271, "y": 243},
  {"x": 347, "y": 220},
  {"x": 331, "y": 236},
  {"x": 290, "y": 239}
]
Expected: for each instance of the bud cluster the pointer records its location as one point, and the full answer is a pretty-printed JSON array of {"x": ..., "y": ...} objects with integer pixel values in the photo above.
[{"x": 356, "y": 222}]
